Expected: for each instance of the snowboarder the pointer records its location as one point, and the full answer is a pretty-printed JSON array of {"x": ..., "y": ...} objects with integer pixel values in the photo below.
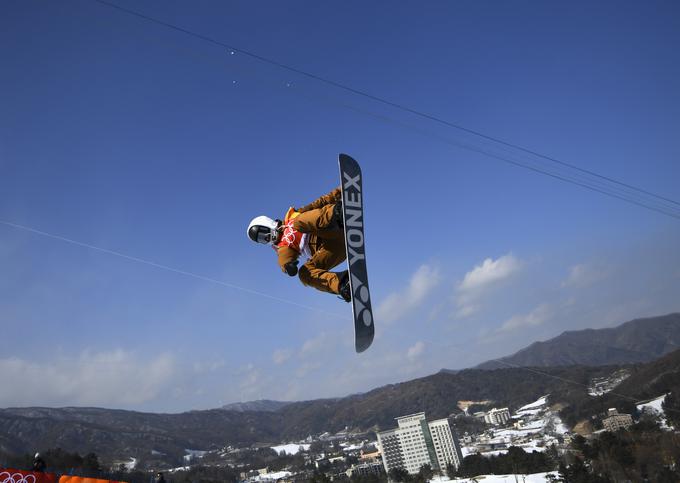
[
  {"x": 315, "y": 231},
  {"x": 38, "y": 464}
]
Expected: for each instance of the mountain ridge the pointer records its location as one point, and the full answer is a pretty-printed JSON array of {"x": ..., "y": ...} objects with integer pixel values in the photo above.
[
  {"x": 258, "y": 405},
  {"x": 116, "y": 434},
  {"x": 636, "y": 341}
]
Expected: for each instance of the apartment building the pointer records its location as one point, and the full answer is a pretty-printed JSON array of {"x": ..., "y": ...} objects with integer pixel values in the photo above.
[
  {"x": 446, "y": 446},
  {"x": 415, "y": 443},
  {"x": 497, "y": 417},
  {"x": 617, "y": 421}
]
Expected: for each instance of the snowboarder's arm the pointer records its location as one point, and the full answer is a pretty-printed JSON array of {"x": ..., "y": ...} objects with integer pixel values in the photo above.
[
  {"x": 287, "y": 258},
  {"x": 329, "y": 199}
]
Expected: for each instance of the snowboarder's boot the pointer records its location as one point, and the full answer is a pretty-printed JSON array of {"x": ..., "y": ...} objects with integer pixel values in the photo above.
[{"x": 345, "y": 289}]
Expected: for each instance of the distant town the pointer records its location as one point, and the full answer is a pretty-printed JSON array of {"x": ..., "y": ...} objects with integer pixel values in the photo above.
[
  {"x": 479, "y": 439},
  {"x": 415, "y": 444}
]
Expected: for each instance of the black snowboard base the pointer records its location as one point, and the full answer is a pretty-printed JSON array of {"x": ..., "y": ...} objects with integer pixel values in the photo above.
[{"x": 353, "y": 217}]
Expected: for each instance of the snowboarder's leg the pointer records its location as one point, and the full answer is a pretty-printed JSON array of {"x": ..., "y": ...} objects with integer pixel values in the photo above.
[
  {"x": 315, "y": 273},
  {"x": 326, "y": 221}
]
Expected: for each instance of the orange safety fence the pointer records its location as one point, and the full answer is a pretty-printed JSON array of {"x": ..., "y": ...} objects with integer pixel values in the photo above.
[
  {"x": 80, "y": 479},
  {"x": 8, "y": 475}
]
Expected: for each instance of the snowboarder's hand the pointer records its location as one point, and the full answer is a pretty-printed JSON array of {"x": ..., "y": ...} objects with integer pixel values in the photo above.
[{"x": 291, "y": 268}]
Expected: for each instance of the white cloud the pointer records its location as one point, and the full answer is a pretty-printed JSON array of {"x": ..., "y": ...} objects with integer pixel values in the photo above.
[
  {"x": 583, "y": 275},
  {"x": 536, "y": 317},
  {"x": 91, "y": 379},
  {"x": 480, "y": 279},
  {"x": 281, "y": 355},
  {"x": 315, "y": 344},
  {"x": 208, "y": 367},
  {"x": 251, "y": 381},
  {"x": 490, "y": 271},
  {"x": 306, "y": 368},
  {"x": 465, "y": 308},
  {"x": 422, "y": 282},
  {"x": 416, "y": 350}
]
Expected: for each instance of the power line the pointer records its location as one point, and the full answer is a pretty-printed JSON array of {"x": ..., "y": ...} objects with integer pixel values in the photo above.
[
  {"x": 571, "y": 381},
  {"x": 164, "y": 267},
  {"x": 602, "y": 184},
  {"x": 622, "y": 195},
  {"x": 254, "y": 292},
  {"x": 507, "y": 158}
]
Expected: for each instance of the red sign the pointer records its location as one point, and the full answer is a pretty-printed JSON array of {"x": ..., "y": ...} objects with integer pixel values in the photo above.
[{"x": 8, "y": 475}]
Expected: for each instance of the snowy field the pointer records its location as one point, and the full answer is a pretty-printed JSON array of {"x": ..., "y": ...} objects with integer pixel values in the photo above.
[
  {"x": 531, "y": 409},
  {"x": 272, "y": 476},
  {"x": 539, "y": 403},
  {"x": 655, "y": 407},
  {"x": 291, "y": 449},
  {"x": 602, "y": 385},
  {"x": 354, "y": 447},
  {"x": 130, "y": 465},
  {"x": 533, "y": 478},
  {"x": 536, "y": 429}
]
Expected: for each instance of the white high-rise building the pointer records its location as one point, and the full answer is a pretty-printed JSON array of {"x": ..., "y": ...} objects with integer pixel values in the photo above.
[
  {"x": 497, "y": 417},
  {"x": 415, "y": 443},
  {"x": 446, "y": 447}
]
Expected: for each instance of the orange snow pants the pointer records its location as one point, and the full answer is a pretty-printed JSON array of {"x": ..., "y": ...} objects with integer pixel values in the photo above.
[{"x": 327, "y": 246}]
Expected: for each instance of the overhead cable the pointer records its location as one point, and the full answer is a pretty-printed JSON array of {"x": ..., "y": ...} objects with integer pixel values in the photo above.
[{"x": 530, "y": 159}]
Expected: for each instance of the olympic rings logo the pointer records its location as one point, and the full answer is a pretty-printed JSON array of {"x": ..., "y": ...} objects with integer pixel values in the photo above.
[{"x": 6, "y": 477}]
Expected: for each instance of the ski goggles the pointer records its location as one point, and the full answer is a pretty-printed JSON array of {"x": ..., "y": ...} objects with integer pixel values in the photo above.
[{"x": 264, "y": 235}]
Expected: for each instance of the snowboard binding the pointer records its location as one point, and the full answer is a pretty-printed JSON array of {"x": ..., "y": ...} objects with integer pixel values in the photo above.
[{"x": 345, "y": 289}]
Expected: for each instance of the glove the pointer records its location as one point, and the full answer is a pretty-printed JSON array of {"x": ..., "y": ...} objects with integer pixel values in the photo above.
[{"x": 291, "y": 268}]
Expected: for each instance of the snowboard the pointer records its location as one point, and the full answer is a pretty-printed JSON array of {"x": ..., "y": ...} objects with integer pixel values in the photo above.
[{"x": 353, "y": 218}]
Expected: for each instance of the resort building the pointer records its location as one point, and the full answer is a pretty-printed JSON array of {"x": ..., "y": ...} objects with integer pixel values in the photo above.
[{"x": 415, "y": 443}]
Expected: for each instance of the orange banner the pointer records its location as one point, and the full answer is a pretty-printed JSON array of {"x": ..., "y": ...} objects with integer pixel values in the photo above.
[{"x": 80, "y": 479}]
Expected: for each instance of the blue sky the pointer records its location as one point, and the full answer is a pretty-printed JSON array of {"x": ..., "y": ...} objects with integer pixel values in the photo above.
[{"x": 127, "y": 136}]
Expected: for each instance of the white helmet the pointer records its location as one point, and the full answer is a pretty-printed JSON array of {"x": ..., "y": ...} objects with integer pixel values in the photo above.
[{"x": 263, "y": 230}]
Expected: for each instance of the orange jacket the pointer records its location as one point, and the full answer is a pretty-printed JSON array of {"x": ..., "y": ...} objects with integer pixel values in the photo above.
[
  {"x": 288, "y": 254},
  {"x": 329, "y": 199}
]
